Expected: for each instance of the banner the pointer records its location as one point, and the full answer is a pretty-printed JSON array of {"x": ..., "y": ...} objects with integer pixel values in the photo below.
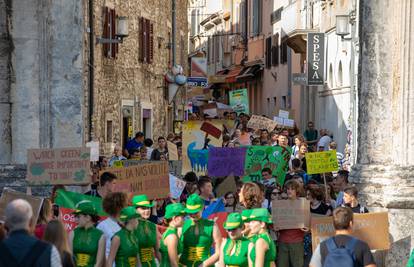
[
  {"x": 150, "y": 178},
  {"x": 172, "y": 151},
  {"x": 8, "y": 195},
  {"x": 372, "y": 228},
  {"x": 224, "y": 161},
  {"x": 239, "y": 101},
  {"x": 259, "y": 157},
  {"x": 260, "y": 122},
  {"x": 198, "y": 137},
  {"x": 291, "y": 214},
  {"x": 198, "y": 67},
  {"x": 321, "y": 162},
  {"x": 176, "y": 186},
  {"x": 316, "y": 58},
  {"x": 220, "y": 218},
  {"x": 62, "y": 166},
  {"x": 68, "y": 199}
]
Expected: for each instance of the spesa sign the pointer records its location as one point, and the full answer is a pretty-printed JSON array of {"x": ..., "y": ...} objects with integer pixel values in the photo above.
[{"x": 321, "y": 162}]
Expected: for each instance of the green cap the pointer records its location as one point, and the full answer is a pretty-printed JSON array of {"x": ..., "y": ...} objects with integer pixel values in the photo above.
[
  {"x": 245, "y": 215},
  {"x": 142, "y": 201},
  {"x": 261, "y": 214},
  {"x": 194, "y": 204},
  {"x": 176, "y": 209},
  {"x": 234, "y": 220},
  {"x": 128, "y": 213},
  {"x": 85, "y": 207}
]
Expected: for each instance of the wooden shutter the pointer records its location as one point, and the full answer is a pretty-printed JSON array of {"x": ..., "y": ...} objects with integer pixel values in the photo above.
[
  {"x": 106, "y": 27},
  {"x": 269, "y": 52},
  {"x": 275, "y": 50},
  {"x": 114, "y": 47},
  {"x": 141, "y": 52},
  {"x": 150, "y": 42}
]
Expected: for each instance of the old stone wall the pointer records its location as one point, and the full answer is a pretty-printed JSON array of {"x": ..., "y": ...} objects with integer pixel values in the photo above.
[{"x": 124, "y": 81}]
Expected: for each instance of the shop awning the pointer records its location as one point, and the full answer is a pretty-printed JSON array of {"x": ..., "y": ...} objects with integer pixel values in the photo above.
[
  {"x": 233, "y": 73},
  {"x": 249, "y": 72}
]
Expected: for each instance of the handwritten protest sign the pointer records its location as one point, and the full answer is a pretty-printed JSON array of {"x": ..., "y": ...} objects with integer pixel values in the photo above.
[
  {"x": 239, "y": 100},
  {"x": 94, "y": 146},
  {"x": 63, "y": 166},
  {"x": 259, "y": 157},
  {"x": 260, "y": 122},
  {"x": 223, "y": 161},
  {"x": 196, "y": 144},
  {"x": 176, "y": 186},
  {"x": 291, "y": 214},
  {"x": 227, "y": 185},
  {"x": 172, "y": 151},
  {"x": 283, "y": 114},
  {"x": 151, "y": 179},
  {"x": 284, "y": 122},
  {"x": 8, "y": 195},
  {"x": 321, "y": 162},
  {"x": 369, "y": 227}
]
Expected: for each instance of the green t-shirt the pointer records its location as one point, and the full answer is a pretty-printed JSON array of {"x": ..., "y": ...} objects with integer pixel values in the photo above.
[
  {"x": 85, "y": 246},
  {"x": 146, "y": 233},
  {"x": 126, "y": 255},
  {"x": 310, "y": 135},
  {"x": 270, "y": 255},
  {"x": 235, "y": 252},
  {"x": 196, "y": 244}
]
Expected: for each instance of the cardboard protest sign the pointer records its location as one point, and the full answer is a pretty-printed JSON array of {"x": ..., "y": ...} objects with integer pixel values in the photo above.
[
  {"x": 227, "y": 185},
  {"x": 63, "y": 166},
  {"x": 321, "y": 162},
  {"x": 150, "y": 178},
  {"x": 176, "y": 186},
  {"x": 223, "y": 161},
  {"x": 94, "y": 146},
  {"x": 196, "y": 142},
  {"x": 291, "y": 214},
  {"x": 259, "y": 157},
  {"x": 369, "y": 227},
  {"x": 8, "y": 195},
  {"x": 260, "y": 122},
  {"x": 172, "y": 151},
  {"x": 239, "y": 101}
]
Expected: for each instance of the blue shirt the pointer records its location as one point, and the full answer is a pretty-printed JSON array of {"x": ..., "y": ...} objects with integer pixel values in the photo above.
[{"x": 132, "y": 145}]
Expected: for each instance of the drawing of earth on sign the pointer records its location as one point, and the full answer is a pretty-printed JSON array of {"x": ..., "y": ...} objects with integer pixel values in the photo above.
[{"x": 197, "y": 152}]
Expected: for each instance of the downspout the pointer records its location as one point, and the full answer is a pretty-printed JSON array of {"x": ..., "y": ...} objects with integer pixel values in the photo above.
[{"x": 91, "y": 68}]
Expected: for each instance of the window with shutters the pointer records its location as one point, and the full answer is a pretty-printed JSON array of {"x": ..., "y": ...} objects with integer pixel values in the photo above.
[
  {"x": 283, "y": 50},
  {"x": 146, "y": 41},
  {"x": 256, "y": 18},
  {"x": 275, "y": 50},
  {"x": 109, "y": 31},
  {"x": 268, "y": 52}
]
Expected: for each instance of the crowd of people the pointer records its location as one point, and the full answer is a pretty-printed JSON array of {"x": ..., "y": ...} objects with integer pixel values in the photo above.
[{"x": 130, "y": 235}]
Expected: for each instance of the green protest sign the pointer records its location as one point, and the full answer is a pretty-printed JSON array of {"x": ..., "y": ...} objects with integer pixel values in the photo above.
[
  {"x": 239, "y": 101},
  {"x": 259, "y": 157}
]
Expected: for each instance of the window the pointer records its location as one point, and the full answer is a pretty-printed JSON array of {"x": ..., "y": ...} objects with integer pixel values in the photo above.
[
  {"x": 243, "y": 21},
  {"x": 146, "y": 41},
  {"x": 193, "y": 22},
  {"x": 268, "y": 52},
  {"x": 284, "y": 102},
  {"x": 256, "y": 17},
  {"x": 109, "y": 31},
  {"x": 275, "y": 50},
  {"x": 108, "y": 131},
  {"x": 284, "y": 52},
  {"x": 276, "y": 15}
]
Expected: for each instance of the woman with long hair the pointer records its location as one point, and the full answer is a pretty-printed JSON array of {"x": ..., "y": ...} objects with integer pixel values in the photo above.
[
  {"x": 146, "y": 232},
  {"x": 262, "y": 249},
  {"x": 234, "y": 249},
  {"x": 251, "y": 196},
  {"x": 170, "y": 246},
  {"x": 124, "y": 246},
  {"x": 45, "y": 216},
  {"x": 230, "y": 202},
  {"x": 87, "y": 242},
  {"x": 55, "y": 234}
]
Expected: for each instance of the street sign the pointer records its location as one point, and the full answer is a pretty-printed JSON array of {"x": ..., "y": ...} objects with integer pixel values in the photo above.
[
  {"x": 299, "y": 78},
  {"x": 316, "y": 58},
  {"x": 197, "y": 82}
]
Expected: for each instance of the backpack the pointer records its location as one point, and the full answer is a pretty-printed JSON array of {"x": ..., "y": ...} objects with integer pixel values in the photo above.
[{"x": 340, "y": 256}]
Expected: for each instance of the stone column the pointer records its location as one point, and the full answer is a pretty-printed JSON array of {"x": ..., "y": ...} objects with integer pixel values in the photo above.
[{"x": 384, "y": 171}]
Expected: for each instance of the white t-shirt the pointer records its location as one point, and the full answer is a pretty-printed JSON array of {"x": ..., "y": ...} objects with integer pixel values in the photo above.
[
  {"x": 324, "y": 142},
  {"x": 109, "y": 227}
]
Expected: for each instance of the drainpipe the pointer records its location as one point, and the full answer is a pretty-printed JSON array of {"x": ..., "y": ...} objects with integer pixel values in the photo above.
[
  {"x": 91, "y": 68},
  {"x": 173, "y": 32}
]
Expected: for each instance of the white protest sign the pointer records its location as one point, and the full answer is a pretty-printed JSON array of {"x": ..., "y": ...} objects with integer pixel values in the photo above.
[
  {"x": 284, "y": 114},
  {"x": 94, "y": 150},
  {"x": 176, "y": 186}
]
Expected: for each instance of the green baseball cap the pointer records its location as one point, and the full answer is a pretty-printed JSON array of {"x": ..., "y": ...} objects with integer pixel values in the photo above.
[
  {"x": 194, "y": 204},
  {"x": 261, "y": 215},
  {"x": 142, "y": 201},
  {"x": 234, "y": 221},
  {"x": 85, "y": 207},
  {"x": 245, "y": 215},
  {"x": 128, "y": 213},
  {"x": 172, "y": 210}
]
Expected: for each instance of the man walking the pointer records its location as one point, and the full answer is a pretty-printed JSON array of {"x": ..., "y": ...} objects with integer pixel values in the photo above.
[
  {"x": 342, "y": 249},
  {"x": 21, "y": 248}
]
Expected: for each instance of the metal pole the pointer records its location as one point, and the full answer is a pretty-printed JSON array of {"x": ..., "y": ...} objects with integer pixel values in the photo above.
[{"x": 173, "y": 32}]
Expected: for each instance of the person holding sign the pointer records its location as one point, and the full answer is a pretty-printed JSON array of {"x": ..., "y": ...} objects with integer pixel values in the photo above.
[
  {"x": 124, "y": 245},
  {"x": 170, "y": 247},
  {"x": 234, "y": 250},
  {"x": 342, "y": 249},
  {"x": 87, "y": 242},
  {"x": 198, "y": 235},
  {"x": 262, "y": 249},
  {"x": 146, "y": 232}
]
